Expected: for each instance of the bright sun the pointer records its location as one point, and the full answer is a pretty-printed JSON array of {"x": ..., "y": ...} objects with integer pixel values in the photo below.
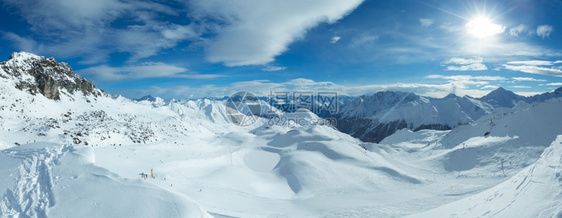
[{"x": 482, "y": 27}]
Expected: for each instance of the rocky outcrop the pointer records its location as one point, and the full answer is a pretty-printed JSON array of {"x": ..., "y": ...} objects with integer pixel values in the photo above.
[{"x": 36, "y": 74}]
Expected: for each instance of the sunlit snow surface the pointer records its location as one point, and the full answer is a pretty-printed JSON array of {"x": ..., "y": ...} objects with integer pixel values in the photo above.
[{"x": 205, "y": 166}]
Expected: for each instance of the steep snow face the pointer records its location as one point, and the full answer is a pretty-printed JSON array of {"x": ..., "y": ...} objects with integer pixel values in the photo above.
[
  {"x": 534, "y": 192},
  {"x": 46, "y": 76}
]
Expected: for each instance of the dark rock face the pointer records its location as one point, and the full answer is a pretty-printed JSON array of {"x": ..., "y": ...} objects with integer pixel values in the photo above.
[
  {"x": 369, "y": 130},
  {"x": 36, "y": 74}
]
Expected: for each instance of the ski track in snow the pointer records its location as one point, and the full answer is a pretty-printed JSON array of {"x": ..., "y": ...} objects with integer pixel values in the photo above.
[{"x": 32, "y": 193}]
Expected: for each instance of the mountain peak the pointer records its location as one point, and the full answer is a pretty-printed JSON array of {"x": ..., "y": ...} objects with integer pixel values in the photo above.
[
  {"x": 23, "y": 56},
  {"x": 147, "y": 98},
  {"x": 502, "y": 98},
  {"x": 37, "y": 74},
  {"x": 451, "y": 95},
  {"x": 500, "y": 91}
]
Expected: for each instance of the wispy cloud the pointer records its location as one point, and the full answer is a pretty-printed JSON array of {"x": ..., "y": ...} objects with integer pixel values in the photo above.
[
  {"x": 273, "y": 68},
  {"x": 534, "y": 63},
  {"x": 535, "y": 67},
  {"x": 527, "y": 79},
  {"x": 544, "y": 31},
  {"x": 535, "y": 70},
  {"x": 85, "y": 29},
  {"x": 554, "y": 84},
  {"x": 467, "y": 78},
  {"x": 426, "y": 22},
  {"x": 464, "y": 64},
  {"x": 335, "y": 39},
  {"x": 521, "y": 28},
  {"x": 363, "y": 39},
  {"x": 521, "y": 87},
  {"x": 146, "y": 70}
]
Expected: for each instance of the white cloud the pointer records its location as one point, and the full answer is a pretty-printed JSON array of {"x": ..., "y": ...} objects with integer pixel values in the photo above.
[
  {"x": 521, "y": 87},
  {"x": 535, "y": 67},
  {"x": 179, "y": 32},
  {"x": 554, "y": 84},
  {"x": 534, "y": 63},
  {"x": 489, "y": 87},
  {"x": 426, "y": 22},
  {"x": 535, "y": 70},
  {"x": 22, "y": 43},
  {"x": 515, "y": 31},
  {"x": 255, "y": 37},
  {"x": 273, "y": 68},
  {"x": 55, "y": 15},
  {"x": 527, "y": 79},
  {"x": 465, "y": 64},
  {"x": 463, "y": 61},
  {"x": 146, "y": 70},
  {"x": 502, "y": 49},
  {"x": 467, "y": 78},
  {"x": 335, "y": 39},
  {"x": 544, "y": 31},
  {"x": 72, "y": 28},
  {"x": 470, "y": 67}
]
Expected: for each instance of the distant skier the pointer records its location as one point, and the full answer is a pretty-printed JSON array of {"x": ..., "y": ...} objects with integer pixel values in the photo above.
[{"x": 152, "y": 173}]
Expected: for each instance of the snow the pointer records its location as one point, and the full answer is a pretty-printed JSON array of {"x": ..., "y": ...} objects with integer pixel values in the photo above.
[
  {"x": 83, "y": 156},
  {"x": 536, "y": 191},
  {"x": 55, "y": 180}
]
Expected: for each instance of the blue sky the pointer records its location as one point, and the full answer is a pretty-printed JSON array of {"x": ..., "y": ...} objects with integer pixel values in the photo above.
[{"x": 198, "y": 48}]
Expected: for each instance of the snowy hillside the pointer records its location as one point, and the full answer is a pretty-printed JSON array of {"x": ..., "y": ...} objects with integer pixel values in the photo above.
[{"x": 534, "y": 192}]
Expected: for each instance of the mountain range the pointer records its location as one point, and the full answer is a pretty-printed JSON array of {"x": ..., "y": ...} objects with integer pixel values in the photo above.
[{"x": 372, "y": 118}]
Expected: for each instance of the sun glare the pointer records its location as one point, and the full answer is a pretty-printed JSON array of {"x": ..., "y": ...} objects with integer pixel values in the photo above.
[{"x": 482, "y": 27}]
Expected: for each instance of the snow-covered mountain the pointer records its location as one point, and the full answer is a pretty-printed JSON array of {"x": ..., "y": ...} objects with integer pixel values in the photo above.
[{"x": 372, "y": 118}]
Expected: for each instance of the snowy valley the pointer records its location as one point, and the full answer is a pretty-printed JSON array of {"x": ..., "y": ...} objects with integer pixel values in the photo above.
[{"x": 70, "y": 150}]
